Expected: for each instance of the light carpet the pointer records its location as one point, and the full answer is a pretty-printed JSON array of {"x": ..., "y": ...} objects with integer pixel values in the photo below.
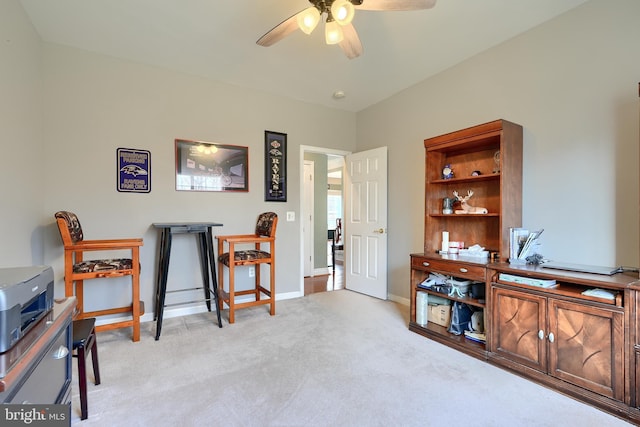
[{"x": 328, "y": 359}]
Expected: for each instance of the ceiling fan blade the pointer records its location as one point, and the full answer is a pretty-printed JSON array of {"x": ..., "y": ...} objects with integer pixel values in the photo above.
[
  {"x": 396, "y": 4},
  {"x": 280, "y": 31},
  {"x": 350, "y": 44}
]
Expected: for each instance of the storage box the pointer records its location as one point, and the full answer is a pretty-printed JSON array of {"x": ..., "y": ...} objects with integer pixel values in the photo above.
[{"x": 439, "y": 314}]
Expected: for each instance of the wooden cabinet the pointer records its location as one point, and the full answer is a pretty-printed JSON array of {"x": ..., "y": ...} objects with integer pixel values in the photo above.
[
  {"x": 518, "y": 320},
  {"x": 421, "y": 267},
  {"x": 486, "y": 160},
  {"x": 587, "y": 347},
  {"x": 575, "y": 341},
  {"x": 634, "y": 345}
]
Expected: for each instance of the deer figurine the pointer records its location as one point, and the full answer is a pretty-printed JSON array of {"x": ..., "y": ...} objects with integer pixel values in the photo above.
[{"x": 467, "y": 208}]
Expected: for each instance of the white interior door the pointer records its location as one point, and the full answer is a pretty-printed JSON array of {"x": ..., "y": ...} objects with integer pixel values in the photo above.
[
  {"x": 365, "y": 225},
  {"x": 307, "y": 218}
]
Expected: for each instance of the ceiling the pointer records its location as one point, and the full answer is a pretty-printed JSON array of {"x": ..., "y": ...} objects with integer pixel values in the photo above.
[{"x": 216, "y": 39}]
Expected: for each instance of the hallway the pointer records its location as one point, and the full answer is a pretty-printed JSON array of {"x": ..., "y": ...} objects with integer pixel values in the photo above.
[{"x": 326, "y": 282}]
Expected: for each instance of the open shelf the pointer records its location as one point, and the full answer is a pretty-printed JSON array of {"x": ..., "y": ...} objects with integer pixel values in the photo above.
[
  {"x": 454, "y": 215},
  {"x": 570, "y": 290},
  {"x": 467, "y": 179},
  {"x": 480, "y": 149},
  {"x": 441, "y": 334},
  {"x": 467, "y": 300}
]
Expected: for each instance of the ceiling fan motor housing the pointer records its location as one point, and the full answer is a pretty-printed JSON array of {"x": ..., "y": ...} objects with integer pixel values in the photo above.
[{"x": 324, "y": 6}]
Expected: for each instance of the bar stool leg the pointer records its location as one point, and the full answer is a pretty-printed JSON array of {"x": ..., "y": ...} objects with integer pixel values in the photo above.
[
  {"x": 84, "y": 340},
  {"x": 94, "y": 361},
  {"x": 82, "y": 382}
]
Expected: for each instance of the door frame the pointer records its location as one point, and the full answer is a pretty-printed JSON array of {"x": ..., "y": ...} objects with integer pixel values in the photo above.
[
  {"x": 308, "y": 197},
  {"x": 318, "y": 150}
]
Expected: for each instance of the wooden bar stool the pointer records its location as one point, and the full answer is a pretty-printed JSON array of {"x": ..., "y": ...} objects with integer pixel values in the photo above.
[
  {"x": 265, "y": 233},
  {"x": 77, "y": 269},
  {"x": 84, "y": 341}
]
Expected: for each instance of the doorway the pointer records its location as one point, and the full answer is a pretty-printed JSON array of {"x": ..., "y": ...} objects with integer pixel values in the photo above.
[{"x": 319, "y": 215}]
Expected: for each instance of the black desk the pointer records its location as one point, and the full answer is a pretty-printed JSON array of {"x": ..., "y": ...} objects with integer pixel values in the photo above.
[{"x": 207, "y": 265}]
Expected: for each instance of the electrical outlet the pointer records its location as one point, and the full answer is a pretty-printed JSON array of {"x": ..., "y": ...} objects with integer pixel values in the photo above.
[{"x": 252, "y": 271}]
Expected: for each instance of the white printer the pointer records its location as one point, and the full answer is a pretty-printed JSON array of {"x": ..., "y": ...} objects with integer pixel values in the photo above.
[{"x": 26, "y": 296}]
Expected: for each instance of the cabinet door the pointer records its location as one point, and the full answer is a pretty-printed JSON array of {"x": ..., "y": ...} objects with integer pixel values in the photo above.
[
  {"x": 519, "y": 321},
  {"x": 637, "y": 383},
  {"x": 588, "y": 347}
]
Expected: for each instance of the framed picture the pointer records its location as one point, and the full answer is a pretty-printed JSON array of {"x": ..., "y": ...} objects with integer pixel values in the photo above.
[
  {"x": 209, "y": 166},
  {"x": 275, "y": 166}
]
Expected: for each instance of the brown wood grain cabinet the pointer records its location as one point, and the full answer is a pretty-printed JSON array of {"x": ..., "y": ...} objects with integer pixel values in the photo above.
[
  {"x": 421, "y": 266},
  {"x": 577, "y": 344},
  {"x": 494, "y": 151},
  {"x": 575, "y": 341},
  {"x": 487, "y": 160},
  {"x": 584, "y": 346}
]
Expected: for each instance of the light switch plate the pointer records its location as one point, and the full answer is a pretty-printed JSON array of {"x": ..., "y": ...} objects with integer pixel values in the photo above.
[{"x": 291, "y": 216}]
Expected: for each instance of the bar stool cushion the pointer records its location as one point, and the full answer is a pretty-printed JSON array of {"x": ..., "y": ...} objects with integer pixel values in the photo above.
[
  {"x": 247, "y": 255},
  {"x": 103, "y": 265}
]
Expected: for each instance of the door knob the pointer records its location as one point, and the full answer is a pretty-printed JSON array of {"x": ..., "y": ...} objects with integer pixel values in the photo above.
[{"x": 379, "y": 231}]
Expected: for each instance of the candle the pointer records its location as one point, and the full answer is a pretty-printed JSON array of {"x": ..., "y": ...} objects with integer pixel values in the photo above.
[{"x": 445, "y": 241}]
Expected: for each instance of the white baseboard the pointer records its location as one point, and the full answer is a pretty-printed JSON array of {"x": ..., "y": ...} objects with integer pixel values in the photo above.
[
  {"x": 188, "y": 310},
  {"x": 398, "y": 299}
]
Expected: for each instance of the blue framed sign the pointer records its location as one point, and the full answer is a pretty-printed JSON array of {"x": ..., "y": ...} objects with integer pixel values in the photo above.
[{"x": 134, "y": 170}]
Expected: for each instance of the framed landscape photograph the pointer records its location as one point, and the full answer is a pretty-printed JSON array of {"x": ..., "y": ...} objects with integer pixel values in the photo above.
[
  {"x": 275, "y": 166},
  {"x": 209, "y": 166}
]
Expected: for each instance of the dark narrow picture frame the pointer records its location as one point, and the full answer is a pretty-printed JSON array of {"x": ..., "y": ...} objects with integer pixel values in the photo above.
[{"x": 275, "y": 166}]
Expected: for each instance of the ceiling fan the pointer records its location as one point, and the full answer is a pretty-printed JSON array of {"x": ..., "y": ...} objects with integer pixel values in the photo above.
[{"x": 338, "y": 27}]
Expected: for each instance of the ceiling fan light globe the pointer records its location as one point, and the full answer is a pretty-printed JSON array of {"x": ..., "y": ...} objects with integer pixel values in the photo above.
[
  {"x": 342, "y": 11},
  {"x": 308, "y": 19},
  {"x": 333, "y": 33}
]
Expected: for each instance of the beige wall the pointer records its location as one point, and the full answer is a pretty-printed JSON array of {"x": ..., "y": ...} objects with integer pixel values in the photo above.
[
  {"x": 66, "y": 112},
  {"x": 21, "y": 162},
  {"x": 572, "y": 83},
  {"x": 95, "y": 104}
]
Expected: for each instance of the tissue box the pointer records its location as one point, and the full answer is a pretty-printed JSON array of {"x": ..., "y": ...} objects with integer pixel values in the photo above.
[{"x": 439, "y": 314}]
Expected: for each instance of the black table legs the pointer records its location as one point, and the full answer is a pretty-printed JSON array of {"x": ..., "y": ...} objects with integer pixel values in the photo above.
[
  {"x": 164, "y": 254},
  {"x": 214, "y": 277},
  {"x": 207, "y": 268}
]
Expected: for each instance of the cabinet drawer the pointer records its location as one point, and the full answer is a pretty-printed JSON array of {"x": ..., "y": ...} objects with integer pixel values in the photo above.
[
  {"x": 451, "y": 268},
  {"x": 47, "y": 381}
]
